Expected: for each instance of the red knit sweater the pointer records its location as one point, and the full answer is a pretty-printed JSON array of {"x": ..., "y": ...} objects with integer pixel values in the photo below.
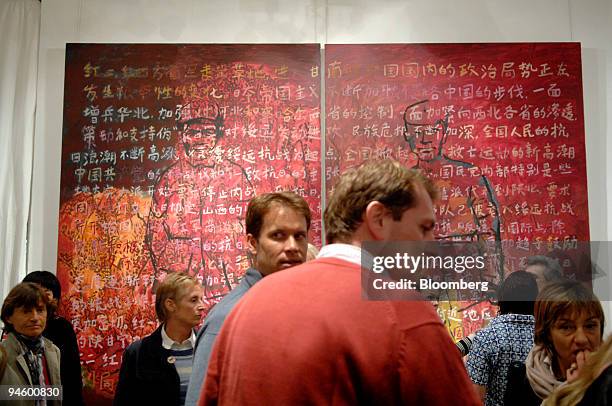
[{"x": 306, "y": 336}]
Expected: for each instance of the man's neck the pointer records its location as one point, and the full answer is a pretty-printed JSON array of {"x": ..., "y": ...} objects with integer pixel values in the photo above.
[
  {"x": 359, "y": 236},
  {"x": 177, "y": 331}
]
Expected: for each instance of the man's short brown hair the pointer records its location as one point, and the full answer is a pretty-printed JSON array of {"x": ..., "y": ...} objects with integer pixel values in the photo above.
[
  {"x": 26, "y": 294},
  {"x": 260, "y": 205},
  {"x": 386, "y": 181},
  {"x": 173, "y": 287},
  {"x": 558, "y": 298}
]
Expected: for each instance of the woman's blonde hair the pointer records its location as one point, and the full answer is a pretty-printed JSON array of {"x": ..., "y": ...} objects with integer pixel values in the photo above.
[
  {"x": 572, "y": 393},
  {"x": 173, "y": 287},
  {"x": 312, "y": 252}
]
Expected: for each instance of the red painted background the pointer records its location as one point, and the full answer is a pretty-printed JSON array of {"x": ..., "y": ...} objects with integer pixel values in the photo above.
[
  {"x": 515, "y": 124},
  {"x": 136, "y": 204},
  {"x": 513, "y": 151}
]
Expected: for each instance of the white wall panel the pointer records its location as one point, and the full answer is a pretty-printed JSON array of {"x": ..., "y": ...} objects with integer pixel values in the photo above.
[{"x": 364, "y": 21}]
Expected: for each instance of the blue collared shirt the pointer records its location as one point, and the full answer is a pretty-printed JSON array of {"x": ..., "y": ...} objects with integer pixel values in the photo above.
[{"x": 507, "y": 338}]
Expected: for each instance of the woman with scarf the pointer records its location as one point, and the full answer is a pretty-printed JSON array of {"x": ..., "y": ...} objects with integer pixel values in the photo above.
[
  {"x": 569, "y": 325},
  {"x": 32, "y": 360}
]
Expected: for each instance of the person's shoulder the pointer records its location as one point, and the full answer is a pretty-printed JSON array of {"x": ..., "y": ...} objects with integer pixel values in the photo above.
[
  {"x": 515, "y": 318},
  {"x": 7, "y": 375},
  {"x": 51, "y": 349},
  {"x": 485, "y": 341},
  {"x": 133, "y": 347},
  {"x": 219, "y": 312},
  {"x": 239, "y": 290},
  {"x": 289, "y": 283},
  {"x": 491, "y": 332},
  {"x": 312, "y": 273},
  {"x": 311, "y": 269},
  {"x": 60, "y": 323},
  {"x": 154, "y": 339},
  {"x": 49, "y": 344},
  {"x": 514, "y": 325},
  {"x": 11, "y": 344},
  {"x": 414, "y": 313},
  {"x": 599, "y": 392},
  {"x": 11, "y": 350},
  {"x": 225, "y": 305},
  {"x": 603, "y": 382}
]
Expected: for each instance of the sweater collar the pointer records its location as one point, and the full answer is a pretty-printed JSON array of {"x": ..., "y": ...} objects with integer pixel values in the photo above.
[{"x": 347, "y": 252}]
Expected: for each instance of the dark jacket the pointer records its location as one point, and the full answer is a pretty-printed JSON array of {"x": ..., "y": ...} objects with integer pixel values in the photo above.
[
  {"x": 146, "y": 377},
  {"x": 60, "y": 332},
  {"x": 600, "y": 391},
  {"x": 518, "y": 389}
]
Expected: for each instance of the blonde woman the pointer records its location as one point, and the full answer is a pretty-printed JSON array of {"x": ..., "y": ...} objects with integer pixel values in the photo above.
[
  {"x": 593, "y": 385},
  {"x": 156, "y": 369}
]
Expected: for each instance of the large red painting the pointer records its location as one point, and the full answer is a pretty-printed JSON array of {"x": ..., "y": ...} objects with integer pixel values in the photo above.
[
  {"x": 499, "y": 127},
  {"x": 163, "y": 146}
]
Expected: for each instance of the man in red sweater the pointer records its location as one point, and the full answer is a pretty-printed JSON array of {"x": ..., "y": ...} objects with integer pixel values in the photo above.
[{"x": 306, "y": 336}]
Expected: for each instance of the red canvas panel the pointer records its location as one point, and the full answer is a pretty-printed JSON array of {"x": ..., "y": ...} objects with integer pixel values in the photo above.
[
  {"x": 499, "y": 127},
  {"x": 163, "y": 147}
]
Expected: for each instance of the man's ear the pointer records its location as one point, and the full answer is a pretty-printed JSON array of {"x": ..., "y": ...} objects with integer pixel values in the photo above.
[
  {"x": 376, "y": 218},
  {"x": 252, "y": 245}
]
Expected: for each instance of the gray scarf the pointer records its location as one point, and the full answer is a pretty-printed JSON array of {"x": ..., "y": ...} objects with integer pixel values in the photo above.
[
  {"x": 540, "y": 373},
  {"x": 34, "y": 349}
]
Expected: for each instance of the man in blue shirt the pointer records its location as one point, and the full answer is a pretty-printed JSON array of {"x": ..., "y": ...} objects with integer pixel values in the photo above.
[{"x": 277, "y": 227}]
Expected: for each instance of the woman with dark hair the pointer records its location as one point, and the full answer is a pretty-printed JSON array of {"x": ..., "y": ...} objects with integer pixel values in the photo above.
[
  {"x": 569, "y": 325},
  {"x": 61, "y": 333},
  {"x": 31, "y": 358}
]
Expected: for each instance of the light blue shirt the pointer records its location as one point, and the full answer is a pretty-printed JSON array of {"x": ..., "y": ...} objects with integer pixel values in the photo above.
[{"x": 209, "y": 331}]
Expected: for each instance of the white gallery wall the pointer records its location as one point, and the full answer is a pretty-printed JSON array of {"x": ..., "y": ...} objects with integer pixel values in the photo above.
[{"x": 331, "y": 21}]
